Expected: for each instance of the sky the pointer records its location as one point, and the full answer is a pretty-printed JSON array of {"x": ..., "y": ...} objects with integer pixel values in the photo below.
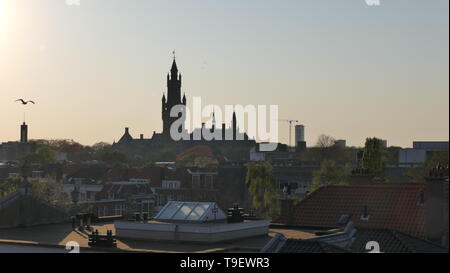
[{"x": 340, "y": 68}]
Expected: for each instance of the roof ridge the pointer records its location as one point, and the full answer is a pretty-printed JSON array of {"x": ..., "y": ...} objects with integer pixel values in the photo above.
[
  {"x": 309, "y": 196},
  {"x": 397, "y": 233},
  {"x": 322, "y": 244}
]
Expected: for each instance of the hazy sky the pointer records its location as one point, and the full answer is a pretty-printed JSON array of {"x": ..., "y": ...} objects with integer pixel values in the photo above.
[{"x": 341, "y": 68}]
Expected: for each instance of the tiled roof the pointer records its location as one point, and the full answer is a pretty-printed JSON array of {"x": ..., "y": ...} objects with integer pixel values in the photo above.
[
  {"x": 199, "y": 150},
  {"x": 391, "y": 241},
  {"x": 303, "y": 246},
  {"x": 281, "y": 244},
  {"x": 391, "y": 205}
]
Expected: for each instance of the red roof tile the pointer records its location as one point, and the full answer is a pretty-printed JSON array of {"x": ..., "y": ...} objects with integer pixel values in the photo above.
[{"x": 392, "y": 205}]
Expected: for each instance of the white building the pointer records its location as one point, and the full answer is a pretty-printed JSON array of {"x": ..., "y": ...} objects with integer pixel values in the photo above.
[{"x": 420, "y": 151}]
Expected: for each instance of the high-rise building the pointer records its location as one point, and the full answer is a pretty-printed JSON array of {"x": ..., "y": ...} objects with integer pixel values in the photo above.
[{"x": 299, "y": 134}]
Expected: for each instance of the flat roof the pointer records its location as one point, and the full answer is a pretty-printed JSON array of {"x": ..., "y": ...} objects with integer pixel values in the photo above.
[{"x": 53, "y": 238}]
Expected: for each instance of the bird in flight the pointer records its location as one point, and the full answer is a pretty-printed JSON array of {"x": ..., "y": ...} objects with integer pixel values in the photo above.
[{"x": 25, "y": 102}]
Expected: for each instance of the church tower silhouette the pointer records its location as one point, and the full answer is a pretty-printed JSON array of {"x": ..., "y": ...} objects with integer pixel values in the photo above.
[{"x": 173, "y": 98}]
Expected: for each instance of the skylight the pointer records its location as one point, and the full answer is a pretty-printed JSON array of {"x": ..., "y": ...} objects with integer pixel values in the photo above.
[{"x": 190, "y": 211}]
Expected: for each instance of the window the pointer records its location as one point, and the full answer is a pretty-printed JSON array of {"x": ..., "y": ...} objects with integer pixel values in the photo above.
[
  {"x": 209, "y": 181},
  {"x": 111, "y": 195},
  {"x": 196, "y": 181},
  {"x": 190, "y": 211},
  {"x": 118, "y": 210},
  {"x": 171, "y": 184},
  {"x": 91, "y": 195}
]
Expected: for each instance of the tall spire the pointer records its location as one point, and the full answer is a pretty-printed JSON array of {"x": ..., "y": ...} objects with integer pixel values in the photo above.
[{"x": 174, "y": 69}]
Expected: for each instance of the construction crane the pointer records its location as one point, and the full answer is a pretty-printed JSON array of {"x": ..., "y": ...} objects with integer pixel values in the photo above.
[{"x": 291, "y": 121}]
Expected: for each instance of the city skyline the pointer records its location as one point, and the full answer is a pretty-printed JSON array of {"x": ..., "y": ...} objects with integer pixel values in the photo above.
[{"x": 96, "y": 68}]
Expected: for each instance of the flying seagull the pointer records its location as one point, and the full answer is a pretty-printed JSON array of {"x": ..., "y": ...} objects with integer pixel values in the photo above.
[{"x": 25, "y": 102}]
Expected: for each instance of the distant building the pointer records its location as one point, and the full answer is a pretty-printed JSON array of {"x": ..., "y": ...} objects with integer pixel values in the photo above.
[
  {"x": 295, "y": 177},
  {"x": 420, "y": 152},
  {"x": 124, "y": 199},
  {"x": 61, "y": 157},
  {"x": 230, "y": 137},
  {"x": 282, "y": 153},
  {"x": 15, "y": 149},
  {"x": 431, "y": 145},
  {"x": 299, "y": 133},
  {"x": 341, "y": 143}
]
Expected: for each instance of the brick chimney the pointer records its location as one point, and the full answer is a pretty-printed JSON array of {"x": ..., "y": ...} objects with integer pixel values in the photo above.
[
  {"x": 436, "y": 205},
  {"x": 287, "y": 211}
]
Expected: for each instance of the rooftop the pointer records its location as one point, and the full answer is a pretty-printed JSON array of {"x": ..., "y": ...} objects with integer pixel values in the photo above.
[
  {"x": 396, "y": 206},
  {"x": 54, "y": 237}
]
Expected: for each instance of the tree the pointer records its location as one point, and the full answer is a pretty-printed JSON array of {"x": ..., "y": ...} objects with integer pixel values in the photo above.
[
  {"x": 50, "y": 191},
  {"x": 263, "y": 188},
  {"x": 113, "y": 156},
  {"x": 324, "y": 145},
  {"x": 421, "y": 171},
  {"x": 101, "y": 146},
  {"x": 42, "y": 155},
  {"x": 46, "y": 155},
  {"x": 330, "y": 173},
  {"x": 9, "y": 185},
  {"x": 149, "y": 164},
  {"x": 325, "y": 141},
  {"x": 373, "y": 158}
]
